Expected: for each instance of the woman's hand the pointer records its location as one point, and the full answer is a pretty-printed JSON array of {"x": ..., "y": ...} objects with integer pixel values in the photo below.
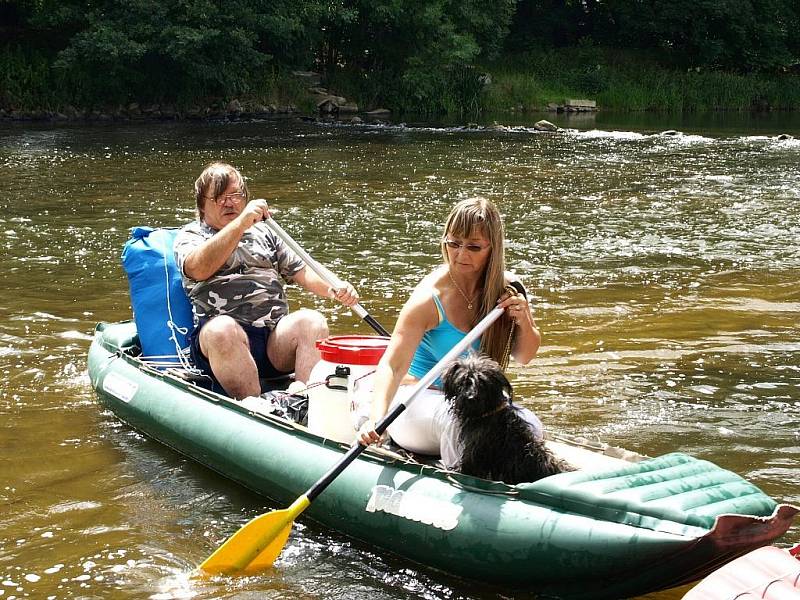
[
  {"x": 367, "y": 434},
  {"x": 516, "y": 304},
  {"x": 526, "y": 334}
]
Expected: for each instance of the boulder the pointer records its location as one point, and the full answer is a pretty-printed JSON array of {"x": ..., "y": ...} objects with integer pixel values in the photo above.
[
  {"x": 194, "y": 113},
  {"x": 356, "y": 120},
  {"x": 784, "y": 136},
  {"x": 348, "y": 107},
  {"x": 671, "y": 133},
  {"x": 234, "y": 106},
  {"x": 544, "y": 125},
  {"x": 328, "y": 105},
  {"x": 379, "y": 113}
]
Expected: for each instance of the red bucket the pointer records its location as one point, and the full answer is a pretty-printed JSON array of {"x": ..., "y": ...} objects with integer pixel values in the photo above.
[{"x": 353, "y": 349}]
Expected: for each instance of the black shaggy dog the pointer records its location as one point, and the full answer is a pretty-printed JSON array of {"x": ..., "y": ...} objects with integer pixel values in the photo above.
[{"x": 497, "y": 442}]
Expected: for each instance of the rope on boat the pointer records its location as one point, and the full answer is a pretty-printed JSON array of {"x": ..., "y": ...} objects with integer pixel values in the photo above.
[
  {"x": 509, "y": 491},
  {"x": 175, "y": 329}
]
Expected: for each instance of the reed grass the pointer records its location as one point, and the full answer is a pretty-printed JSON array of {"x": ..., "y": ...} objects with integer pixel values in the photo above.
[
  {"x": 280, "y": 88},
  {"x": 26, "y": 79},
  {"x": 628, "y": 81}
]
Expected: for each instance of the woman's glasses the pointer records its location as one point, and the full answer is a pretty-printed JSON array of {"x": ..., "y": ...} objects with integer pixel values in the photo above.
[
  {"x": 234, "y": 198},
  {"x": 456, "y": 245}
]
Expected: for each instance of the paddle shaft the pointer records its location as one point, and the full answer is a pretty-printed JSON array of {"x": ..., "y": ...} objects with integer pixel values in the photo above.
[
  {"x": 357, "y": 448},
  {"x": 329, "y": 278}
]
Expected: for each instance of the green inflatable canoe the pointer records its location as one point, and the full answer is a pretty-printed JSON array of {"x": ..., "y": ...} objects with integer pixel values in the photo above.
[{"x": 616, "y": 527}]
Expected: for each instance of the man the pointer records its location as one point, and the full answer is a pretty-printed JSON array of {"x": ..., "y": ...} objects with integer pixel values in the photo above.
[{"x": 232, "y": 265}]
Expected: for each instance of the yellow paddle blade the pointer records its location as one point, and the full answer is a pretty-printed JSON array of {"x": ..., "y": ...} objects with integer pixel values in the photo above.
[
  {"x": 267, "y": 556},
  {"x": 256, "y": 545}
]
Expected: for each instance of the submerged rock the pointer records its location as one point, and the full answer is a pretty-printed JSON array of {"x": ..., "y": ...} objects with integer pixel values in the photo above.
[{"x": 495, "y": 126}]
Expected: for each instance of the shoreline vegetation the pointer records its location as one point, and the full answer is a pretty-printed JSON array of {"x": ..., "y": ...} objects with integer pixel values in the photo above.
[
  {"x": 115, "y": 60},
  {"x": 516, "y": 86}
]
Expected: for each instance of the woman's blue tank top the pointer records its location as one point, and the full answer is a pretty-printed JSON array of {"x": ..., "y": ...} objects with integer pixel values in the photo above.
[{"x": 436, "y": 343}]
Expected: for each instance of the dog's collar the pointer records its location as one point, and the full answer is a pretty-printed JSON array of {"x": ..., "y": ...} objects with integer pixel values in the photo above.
[{"x": 495, "y": 411}]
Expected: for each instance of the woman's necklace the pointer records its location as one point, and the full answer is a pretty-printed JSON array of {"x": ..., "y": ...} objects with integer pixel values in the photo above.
[{"x": 460, "y": 291}]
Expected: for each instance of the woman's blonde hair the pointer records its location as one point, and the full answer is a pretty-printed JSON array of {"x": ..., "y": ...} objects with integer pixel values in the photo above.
[
  {"x": 213, "y": 182},
  {"x": 480, "y": 215}
]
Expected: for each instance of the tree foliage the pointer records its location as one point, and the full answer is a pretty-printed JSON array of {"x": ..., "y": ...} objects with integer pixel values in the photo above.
[
  {"x": 421, "y": 54},
  {"x": 119, "y": 50},
  {"x": 736, "y": 35},
  {"x": 416, "y": 49}
]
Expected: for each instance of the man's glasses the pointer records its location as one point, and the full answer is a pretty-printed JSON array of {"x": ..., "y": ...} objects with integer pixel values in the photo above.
[
  {"x": 456, "y": 245},
  {"x": 235, "y": 198}
]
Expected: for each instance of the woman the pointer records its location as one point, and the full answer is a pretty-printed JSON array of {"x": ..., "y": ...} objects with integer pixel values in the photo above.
[{"x": 443, "y": 307}]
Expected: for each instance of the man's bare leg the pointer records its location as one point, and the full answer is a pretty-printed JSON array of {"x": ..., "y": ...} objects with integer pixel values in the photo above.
[
  {"x": 292, "y": 345},
  {"x": 225, "y": 345}
]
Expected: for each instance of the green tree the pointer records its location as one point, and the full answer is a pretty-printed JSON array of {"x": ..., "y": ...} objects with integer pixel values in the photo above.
[
  {"x": 738, "y": 35},
  {"x": 417, "y": 54},
  {"x": 120, "y": 50},
  {"x": 546, "y": 23}
]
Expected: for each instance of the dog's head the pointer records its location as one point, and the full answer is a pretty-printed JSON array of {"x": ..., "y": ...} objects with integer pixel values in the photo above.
[{"x": 475, "y": 385}]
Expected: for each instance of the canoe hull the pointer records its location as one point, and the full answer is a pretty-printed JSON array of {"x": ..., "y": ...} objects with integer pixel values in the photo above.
[{"x": 519, "y": 538}]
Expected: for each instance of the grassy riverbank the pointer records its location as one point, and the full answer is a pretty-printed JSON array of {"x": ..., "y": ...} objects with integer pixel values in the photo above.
[
  {"x": 616, "y": 80},
  {"x": 627, "y": 81}
]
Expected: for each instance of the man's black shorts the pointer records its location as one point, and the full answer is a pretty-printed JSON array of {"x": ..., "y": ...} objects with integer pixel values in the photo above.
[{"x": 257, "y": 337}]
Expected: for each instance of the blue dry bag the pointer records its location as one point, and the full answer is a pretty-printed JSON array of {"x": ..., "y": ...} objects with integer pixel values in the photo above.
[{"x": 161, "y": 309}]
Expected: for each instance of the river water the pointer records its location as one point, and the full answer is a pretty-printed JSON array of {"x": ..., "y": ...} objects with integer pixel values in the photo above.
[{"x": 664, "y": 273}]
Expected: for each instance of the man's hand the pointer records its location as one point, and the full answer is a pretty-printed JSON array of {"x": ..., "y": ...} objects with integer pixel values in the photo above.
[
  {"x": 209, "y": 257},
  {"x": 347, "y": 294},
  {"x": 255, "y": 212}
]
